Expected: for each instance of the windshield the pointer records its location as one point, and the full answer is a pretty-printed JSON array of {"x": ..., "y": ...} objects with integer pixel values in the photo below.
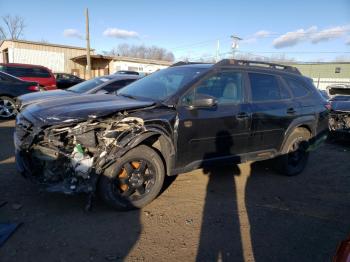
[
  {"x": 162, "y": 84},
  {"x": 88, "y": 85}
]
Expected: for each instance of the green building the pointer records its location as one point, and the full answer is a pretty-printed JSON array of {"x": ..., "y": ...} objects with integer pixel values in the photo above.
[{"x": 326, "y": 73}]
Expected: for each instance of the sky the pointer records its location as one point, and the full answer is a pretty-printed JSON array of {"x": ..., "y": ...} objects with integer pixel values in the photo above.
[{"x": 302, "y": 30}]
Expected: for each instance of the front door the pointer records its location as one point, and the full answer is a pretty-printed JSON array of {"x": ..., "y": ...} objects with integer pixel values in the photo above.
[{"x": 217, "y": 132}]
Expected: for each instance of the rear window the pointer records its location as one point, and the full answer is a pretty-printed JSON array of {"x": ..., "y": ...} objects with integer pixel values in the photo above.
[
  {"x": 266, "y": 88},
  {"x": 26, "y": 71}
]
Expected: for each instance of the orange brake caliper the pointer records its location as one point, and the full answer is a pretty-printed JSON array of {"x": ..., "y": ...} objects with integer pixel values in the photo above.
[{"x": 123, "y": 174}]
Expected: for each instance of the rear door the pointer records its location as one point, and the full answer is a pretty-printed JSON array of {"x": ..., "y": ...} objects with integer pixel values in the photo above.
[
  {"x": 273, "y": 109},
  {"x": 218, "y": 132}
]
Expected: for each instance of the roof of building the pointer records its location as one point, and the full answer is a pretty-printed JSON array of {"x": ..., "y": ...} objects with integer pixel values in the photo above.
[
  {"x": 125, "y": 58},
  {"x": 43, "y": 43},
  {"x": 142, "y": 60}
]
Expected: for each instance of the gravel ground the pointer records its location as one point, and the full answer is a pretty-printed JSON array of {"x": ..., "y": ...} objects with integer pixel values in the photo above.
[{"x": 235, "y": 213}]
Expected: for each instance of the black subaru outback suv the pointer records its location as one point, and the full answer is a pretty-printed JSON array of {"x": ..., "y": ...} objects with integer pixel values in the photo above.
[{"x": 173, "y": 121}]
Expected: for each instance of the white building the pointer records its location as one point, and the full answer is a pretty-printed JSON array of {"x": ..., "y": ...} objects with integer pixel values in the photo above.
[{"x": 72, "y": 59}]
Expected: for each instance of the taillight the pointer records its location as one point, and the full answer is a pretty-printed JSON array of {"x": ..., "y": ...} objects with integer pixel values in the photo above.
[{"x": 33, "y": 88}]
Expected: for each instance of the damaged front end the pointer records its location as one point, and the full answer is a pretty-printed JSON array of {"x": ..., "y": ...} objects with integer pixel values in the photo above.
[
  {"x": 69, "y": 157},
  {"x": 339, "y": 121}
]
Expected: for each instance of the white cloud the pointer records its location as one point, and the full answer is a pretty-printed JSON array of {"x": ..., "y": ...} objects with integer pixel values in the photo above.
[
  {"x": 120, "y": 33},
  {"x": 293, "y": 38},
  {"x": 330, "y": 33},
  {"x": 311, "y": 34},
  {"x": 72, "y": 33},
  {"x": 257, "y": 35},
  {"x": 262, "y": 34}
]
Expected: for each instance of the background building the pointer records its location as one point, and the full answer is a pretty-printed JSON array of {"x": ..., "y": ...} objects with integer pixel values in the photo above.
[
  {"x": 72, "y": 59},
  {"x": 326, "y": 73},
  {"x": 55, "y": 57}
]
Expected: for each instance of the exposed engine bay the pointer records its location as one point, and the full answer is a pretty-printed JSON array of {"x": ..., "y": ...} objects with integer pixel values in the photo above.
[
  {"x": 339, "y": 121},
  {"x": 69, "y": 157}
]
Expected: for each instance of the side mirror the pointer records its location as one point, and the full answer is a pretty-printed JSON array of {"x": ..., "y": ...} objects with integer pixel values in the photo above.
[{"x": 203, "y": 101}]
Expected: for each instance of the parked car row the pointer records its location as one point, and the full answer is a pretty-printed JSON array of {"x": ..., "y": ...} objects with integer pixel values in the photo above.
[
  {"x": 123, "y": 145},
  {"x": 33, "y": 73},
  {"x": 10, "y": 88},
  {"x": 19, "y": 79},
  {"x": 104, "y": 84}
]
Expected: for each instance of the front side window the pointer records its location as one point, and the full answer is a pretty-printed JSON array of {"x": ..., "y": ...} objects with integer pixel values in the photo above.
[
  {"x": 226, "y": 87},
  {"x": 266, "y": 88}
]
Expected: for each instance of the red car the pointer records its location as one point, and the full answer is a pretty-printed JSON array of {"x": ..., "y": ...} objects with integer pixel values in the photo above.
[{"x": 33, "y": 73}]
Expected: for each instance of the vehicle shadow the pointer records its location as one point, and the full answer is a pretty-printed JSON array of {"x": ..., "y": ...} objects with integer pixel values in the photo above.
[
  {"x": 6, "y": 144},
  {"x": 253, "y": 213},
  {"x": 220, "y": 238},
  {"x": 298, "y": 218}
]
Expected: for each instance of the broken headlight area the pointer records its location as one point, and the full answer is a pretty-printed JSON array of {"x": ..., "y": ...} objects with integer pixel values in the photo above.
[
  {"x": 339, "y": 121},
  {"x": 69, "y": 158}
]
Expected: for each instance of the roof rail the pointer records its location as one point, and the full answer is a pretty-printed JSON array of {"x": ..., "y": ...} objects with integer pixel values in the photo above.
[
  {"x": 180, "y": 63},
  {"x": 227, "y": 62}
]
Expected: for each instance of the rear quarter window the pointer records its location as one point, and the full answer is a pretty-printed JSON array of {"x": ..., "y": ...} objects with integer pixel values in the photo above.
[{"x": 297, "y": 87}]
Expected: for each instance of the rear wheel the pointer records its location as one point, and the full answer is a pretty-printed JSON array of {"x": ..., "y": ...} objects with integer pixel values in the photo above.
[
  {"x": 134, "y": 180},
  {"x": 294, "y": 154},
  {"x": 7, "y": 107}
]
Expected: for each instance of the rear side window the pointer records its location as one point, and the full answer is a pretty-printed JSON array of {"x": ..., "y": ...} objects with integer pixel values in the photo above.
[
  {"x": 297, "y": 87},
  {"x": 26, "y": 72},
  {"x": 266, "y": 88}
]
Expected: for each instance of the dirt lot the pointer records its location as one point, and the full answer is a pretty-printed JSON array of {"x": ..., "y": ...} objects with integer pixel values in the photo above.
[{"x": 234, "y": 213}]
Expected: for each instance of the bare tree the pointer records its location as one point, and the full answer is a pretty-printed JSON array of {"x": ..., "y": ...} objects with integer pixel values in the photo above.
[
  {"x": 141, "y": 51},
  {"x": 12, "y": 27}
]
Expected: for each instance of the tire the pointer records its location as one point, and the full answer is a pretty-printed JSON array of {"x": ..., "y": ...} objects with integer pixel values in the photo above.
[
  {"x": 7, "y": 107},
  {"x": 294, "y": 153},
  {"x": 141, "y": 170}
]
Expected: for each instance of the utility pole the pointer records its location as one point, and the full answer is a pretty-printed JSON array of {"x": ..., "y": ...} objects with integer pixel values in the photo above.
[
  {"x": 235, "y": 40},
  {"x": 217, "y": 51},
  {"x": 88, "y": 58}
]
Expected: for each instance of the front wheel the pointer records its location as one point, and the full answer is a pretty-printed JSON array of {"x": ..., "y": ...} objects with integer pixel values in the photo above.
[
  {"x": 294, "y": 154},
  {"x": 7, "y": 107},
  {"x": 134, "y": 180}
]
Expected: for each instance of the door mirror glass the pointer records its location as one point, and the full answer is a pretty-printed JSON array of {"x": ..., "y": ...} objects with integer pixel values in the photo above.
[{"x": 203, "y": 101}]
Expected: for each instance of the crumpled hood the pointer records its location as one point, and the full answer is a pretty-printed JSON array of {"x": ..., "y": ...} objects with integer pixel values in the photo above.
[
  {"x": 82, "y": 107},
  {"x": 37, "y": 97}
]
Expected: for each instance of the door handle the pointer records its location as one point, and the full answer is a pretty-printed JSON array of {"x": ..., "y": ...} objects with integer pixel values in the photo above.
[
  {"x": 242, "y": 115},
  {"x": 291, "y": 110}
]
